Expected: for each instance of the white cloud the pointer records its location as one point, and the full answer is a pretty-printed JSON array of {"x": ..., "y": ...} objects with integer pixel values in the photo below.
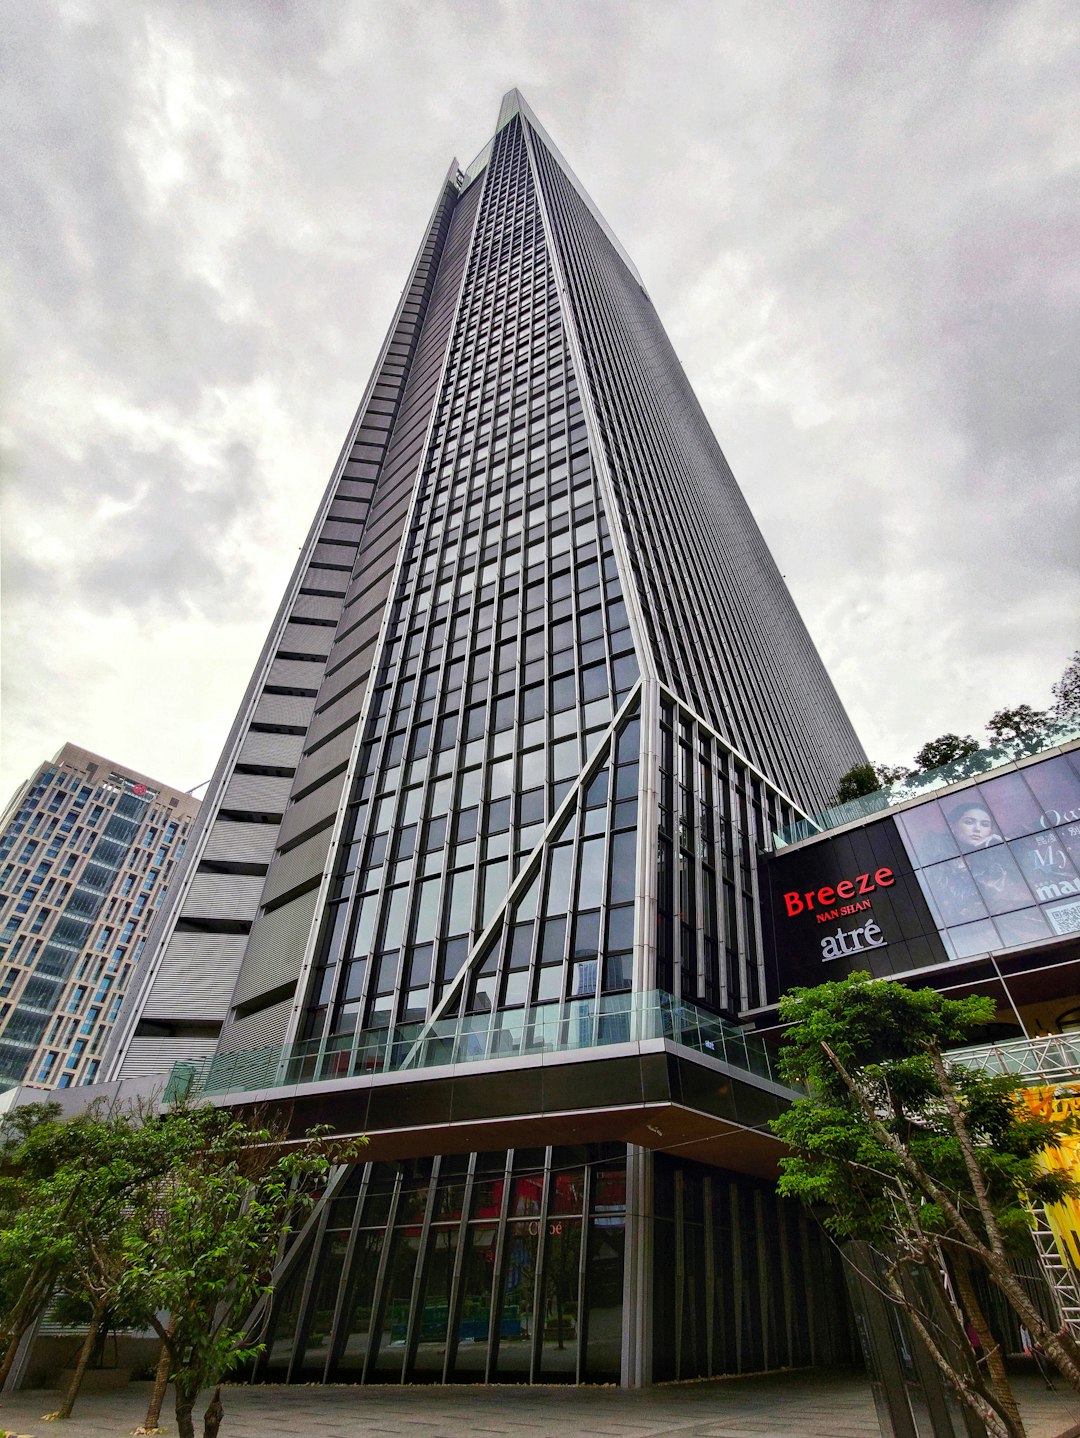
[{"x": 856, "y": 223}]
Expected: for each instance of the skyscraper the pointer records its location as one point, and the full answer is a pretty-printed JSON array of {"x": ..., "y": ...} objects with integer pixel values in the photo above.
[
  {"x": 535, "y": 696},
  {"x": 87, "y": 851}
]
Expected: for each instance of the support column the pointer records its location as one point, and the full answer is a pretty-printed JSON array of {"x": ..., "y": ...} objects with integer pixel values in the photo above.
[{"x": 637, "y": 1346}]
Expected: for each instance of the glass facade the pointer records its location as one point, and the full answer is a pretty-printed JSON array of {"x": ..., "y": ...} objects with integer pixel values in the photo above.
[
  {"x": 565, "y": 701},
  {"x": 991, "y": 868},
  {"x": 509, "y": 1267},
  {"x": 999, "y": 863},
  {"x": 86, "y": 857}
]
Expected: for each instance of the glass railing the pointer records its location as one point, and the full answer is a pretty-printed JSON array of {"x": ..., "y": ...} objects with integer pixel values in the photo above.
[
  {"x": 917, "y": 786},
  {"x": 474, "y": 1038}
]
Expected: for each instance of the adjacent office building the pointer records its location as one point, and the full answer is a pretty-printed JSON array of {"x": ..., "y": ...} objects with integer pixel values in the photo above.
[
  {"x": 87, "y": 852},
  {"x": 477, "y": 872}
]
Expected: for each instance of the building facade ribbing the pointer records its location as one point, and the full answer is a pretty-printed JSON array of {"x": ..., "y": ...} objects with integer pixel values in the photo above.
[
  {"x": 535, "y": 699},
  {"x": 87, "y": 853}
]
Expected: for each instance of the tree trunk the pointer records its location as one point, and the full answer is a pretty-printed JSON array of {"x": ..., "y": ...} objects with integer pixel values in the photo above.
[
  {"x": 64, "y": 1411},
  {"x": 995, "y": 1423},
  {"x": 157, "y": 1396},
  {"x": 991, "y": 1348},
  {"x": 1060, "y": 1346},
  {"x": 213, "y": 1415},
  {"x": 33, "y": 1296},
  {"x": 185, "y": 1402}
]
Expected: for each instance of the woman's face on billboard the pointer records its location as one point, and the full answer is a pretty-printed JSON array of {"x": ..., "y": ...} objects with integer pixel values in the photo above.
[{"x": 973, "y": 827}]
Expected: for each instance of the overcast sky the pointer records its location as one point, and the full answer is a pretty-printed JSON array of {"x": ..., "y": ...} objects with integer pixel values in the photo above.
[{"x": 858, "y": 222}]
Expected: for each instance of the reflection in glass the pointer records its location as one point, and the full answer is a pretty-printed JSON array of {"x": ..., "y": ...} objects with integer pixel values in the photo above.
[
  {"x": 952, "y": 893},
  {"x": 561, "y": 1265},
  {"x": 926, "y": 834},
  {"x": 1012, "y": 804},
  {"x": 388, "y": 1359},
  {"x": 357, "y": 1312},
  {"x": 1046, "y": 866},
  {"x": 1000, "y": 881},
  {"x": 434, "y": 1311},
  {"x": 977, "y": 938},
  {"x": 1056, "y": 786},
  {"x": 519, "y": 1287},
  {"x": 604, "y": 1299},
  {"x": 475, "y": 1321},
  {"x": 327, "y": 1276}
]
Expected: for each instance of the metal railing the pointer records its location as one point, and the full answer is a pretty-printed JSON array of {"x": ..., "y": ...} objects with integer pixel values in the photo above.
[
  {"x": 1051, "y": 1058},
  {"x": 556, "y": 1028},
  {"x": 918, "y": 786}
]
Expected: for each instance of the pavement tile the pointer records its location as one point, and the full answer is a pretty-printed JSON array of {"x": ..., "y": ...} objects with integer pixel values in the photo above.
[{"x": 792, "y": 1405}]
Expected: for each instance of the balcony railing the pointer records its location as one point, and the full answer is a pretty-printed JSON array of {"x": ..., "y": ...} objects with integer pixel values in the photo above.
[
  {"x": 918, "y": 786},
  {"x": 474, "y": 1038}
]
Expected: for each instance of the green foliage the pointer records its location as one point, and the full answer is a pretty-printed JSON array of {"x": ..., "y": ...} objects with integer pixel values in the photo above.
[
  {"x": 134, "y": 1213},
  {"x": 868, "y": 778},
  {"x": 877, "y": 1140},
  {"x": 1019, "y": 722},
  {"x": 860, "y": 779},
  {"x": 946, "y": 749},
  {"x": 204, "y": 1237},
  {"x": 1066, "y": 692}
]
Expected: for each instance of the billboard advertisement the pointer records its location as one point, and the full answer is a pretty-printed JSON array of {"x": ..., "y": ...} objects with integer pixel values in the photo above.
[{"x": 986, "y": 869}]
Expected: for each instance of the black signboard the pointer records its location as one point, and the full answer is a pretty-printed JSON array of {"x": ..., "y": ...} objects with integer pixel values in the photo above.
[{"x": 990, "y": 868}]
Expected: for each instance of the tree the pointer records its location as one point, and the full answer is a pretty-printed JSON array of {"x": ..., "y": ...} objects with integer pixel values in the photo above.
[
  {"x": 860, "y": 779},
  {"x": 928, "y": 1160},
  {"x": 868, "y": 778},
  {"x": 1017, "y": 723},
  {"x": 944, "y": 750},
  {"x": 205, "y": 1237},
  {"x": 1066, "y": 692}
]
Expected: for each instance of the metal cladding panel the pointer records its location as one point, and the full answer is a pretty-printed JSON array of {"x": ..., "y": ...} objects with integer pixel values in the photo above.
[
  {"x": 275, "y": 948},
  {"x": 325, "y": 758},
  {"x": 258, "y": 1030},
  {"x": 312, "y": 640},
  {"x": 331, "y": 759},
  {"x": 279, "y": 751},
  {"x": 294, "y": 674},
  {"x": 347, "y": 676},
  {"x": 243, "y": 843},
  {"x": 343, "y": 713},
  {"x": 337, "y": 556},
  {"x": 222, "y": 896},
  {"x": 154, "y": 1057},
  {"x": 313, "y": 811},
  {"x": 344, "y": 530},
  {"x": 316, "y": 606},
  {"x": 291, "y": 711},
  {"x": 298, "y": 866},
  {"x": 199, "y": 978},
  {"x": 722, "y": 628},
  {"x": 258, "y": 793},
  {"x": 333, "y": 582}
]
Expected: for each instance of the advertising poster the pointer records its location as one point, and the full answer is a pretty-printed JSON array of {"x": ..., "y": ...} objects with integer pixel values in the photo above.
[
  {"x": 988, "y": 869},
  {"x": 1064, "y": 1218}
]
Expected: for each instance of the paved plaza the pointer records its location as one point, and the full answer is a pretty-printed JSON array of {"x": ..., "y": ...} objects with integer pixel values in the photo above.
[{"x": 792, "y": 1405}]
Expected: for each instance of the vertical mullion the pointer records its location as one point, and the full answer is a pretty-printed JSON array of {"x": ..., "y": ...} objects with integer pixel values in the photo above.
[{"x": 337, "y": 1339}]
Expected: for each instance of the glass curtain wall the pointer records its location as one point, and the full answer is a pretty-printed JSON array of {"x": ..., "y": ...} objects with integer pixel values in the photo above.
[
  {"x": 492, "y": 1267},
  {"x": 507, "y": 653}
]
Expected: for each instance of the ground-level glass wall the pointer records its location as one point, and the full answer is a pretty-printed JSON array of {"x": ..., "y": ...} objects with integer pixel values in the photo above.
[{"x": 509, "y": 1267}]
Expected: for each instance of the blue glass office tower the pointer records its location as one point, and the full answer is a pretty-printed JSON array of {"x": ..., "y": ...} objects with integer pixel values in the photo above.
[{"x": 476, "y": 873}]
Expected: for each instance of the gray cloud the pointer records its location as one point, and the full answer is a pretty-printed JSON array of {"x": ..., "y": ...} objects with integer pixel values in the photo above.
[{"x": 855, "y": 220}]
